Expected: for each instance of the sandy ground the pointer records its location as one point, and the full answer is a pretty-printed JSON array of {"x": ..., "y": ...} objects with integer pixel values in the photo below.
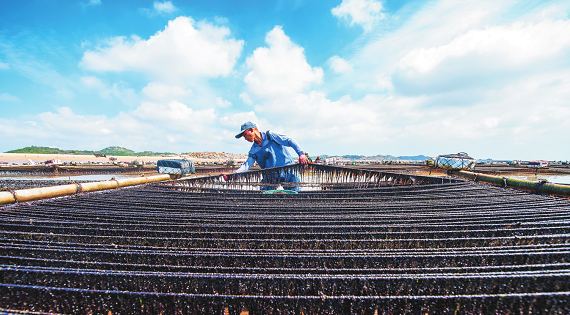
[{"x": 21, "y": 158}]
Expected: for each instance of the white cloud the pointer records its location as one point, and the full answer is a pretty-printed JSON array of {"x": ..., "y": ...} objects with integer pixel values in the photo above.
[
  {"x": 117, "y": 90},
  {"x": 66, "y": 129},
  {"x": 514, "y": 45},
  {"x": 85, "y": 43},
  {"x": 362, "y": 12},
  {"x": 165, "y": 7},
  {"x": 485, "y": 58},
  {"x": 313, "y": 117},
  {"x": 245, "y": 97},
  {"x": 220, "y": 20},
  {"x": 502, "y": 123},
  {"x": 234, "y": 121},
  {"x": 489, "y": 77},
  {"x": 66, "y": 121},
  {"x": 159, "y": 8},
  {"x": 431, "y": 24},
  {"x": 280, "y": 69},
  {"x": 383, "y": 82},
  {"x": 220, "y": 102},
  {"x": 90, "y": 3},
  {"x": 176, "y": 115},
  {"x": 340, "y": 65},
  {"x": 92, "y": 82},
  {"x": 183, "y": 50},
  {"x": 8, "y": 97},
  {"x": 151, "y": 126},
  {"x": 156, "y": 90}
]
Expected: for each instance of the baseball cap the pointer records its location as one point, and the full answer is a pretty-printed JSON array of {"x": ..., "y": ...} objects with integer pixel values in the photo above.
[{"x": 245, "y": 127}]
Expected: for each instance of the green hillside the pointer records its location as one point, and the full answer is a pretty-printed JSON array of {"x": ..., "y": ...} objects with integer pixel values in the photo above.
[
  {"x": 114, "y": 150},
  {"x": 117, "y": 151},
  {"x": 48, "y": 150}
]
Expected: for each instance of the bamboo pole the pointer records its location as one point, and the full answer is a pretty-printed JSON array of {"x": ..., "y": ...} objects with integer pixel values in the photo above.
[
  {"x": 31, "y": 194},
  {"x": 6, "y": 197},
  {"x": 539, "y": 187},
  {"x": 96, "y": 186},
  {"x": 24, "y": 195}
]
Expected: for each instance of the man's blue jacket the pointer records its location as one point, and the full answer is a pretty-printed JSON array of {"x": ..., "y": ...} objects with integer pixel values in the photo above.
[{"x": 272, "y": 152}]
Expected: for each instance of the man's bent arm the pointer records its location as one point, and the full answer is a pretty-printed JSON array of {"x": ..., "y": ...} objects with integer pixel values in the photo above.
[
  {"x": 287, "y": 141},
  {"x": 246, "y": 165}
]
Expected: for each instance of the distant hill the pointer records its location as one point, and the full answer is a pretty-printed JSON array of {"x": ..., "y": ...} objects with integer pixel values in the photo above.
[
  {"x": 48, "y": 150},
  {"x": 414, "y": 157},
  {"x": 114, "y": 150},
  {"x": 118, "y": 151}
]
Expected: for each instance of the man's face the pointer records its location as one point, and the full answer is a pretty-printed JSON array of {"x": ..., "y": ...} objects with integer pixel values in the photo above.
[{"x": 248, "y": 135}]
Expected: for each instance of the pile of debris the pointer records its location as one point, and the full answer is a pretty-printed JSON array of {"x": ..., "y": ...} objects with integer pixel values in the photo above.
[{"x": 216, "y": 156}]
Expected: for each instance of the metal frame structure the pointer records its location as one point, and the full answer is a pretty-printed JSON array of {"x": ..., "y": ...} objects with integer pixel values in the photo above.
[
  {"x": 376, "y": 243},
  {"x": 312, "y": 177}
]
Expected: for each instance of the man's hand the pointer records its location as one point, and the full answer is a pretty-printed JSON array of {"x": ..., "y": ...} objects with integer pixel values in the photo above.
[{"x": 303, "y": 160}]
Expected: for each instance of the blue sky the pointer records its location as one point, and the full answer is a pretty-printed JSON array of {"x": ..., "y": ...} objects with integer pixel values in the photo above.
[{"x": 490, "y": 78}]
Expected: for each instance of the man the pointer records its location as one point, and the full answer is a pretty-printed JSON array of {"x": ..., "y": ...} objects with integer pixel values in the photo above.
[{"x": 268, "y": 150}]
